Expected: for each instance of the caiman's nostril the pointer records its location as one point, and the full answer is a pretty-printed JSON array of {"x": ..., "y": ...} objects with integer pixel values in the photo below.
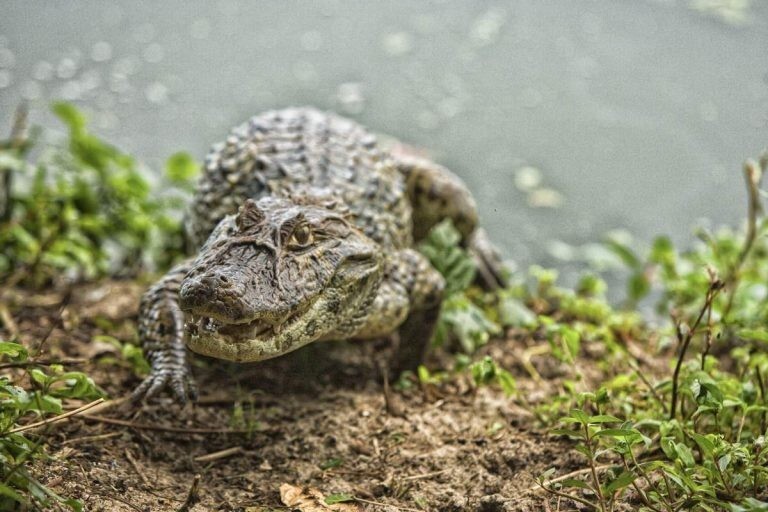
[{"x": 196, "y": 293}]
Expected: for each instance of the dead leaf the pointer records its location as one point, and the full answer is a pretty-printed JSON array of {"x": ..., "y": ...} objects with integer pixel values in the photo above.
[{"x": 309, "y": 499}]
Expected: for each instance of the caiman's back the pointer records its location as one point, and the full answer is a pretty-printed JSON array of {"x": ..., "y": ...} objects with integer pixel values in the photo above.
[{"x": 300, "y": 151}]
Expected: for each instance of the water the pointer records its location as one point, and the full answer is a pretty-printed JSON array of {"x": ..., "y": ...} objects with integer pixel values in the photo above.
[{"x": 566, "y": 118}]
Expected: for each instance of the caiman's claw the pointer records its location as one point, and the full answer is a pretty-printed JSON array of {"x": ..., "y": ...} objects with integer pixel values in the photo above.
[{"x": 180, "y": 381}]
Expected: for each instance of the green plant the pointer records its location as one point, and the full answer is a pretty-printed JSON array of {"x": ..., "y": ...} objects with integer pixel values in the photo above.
[
  {"x": 694, "y": 439},
  {"x": 461, "y": 318},
  {"x": 85, "y": 209},
  {"x": 486, "y": 371},
  {"x": 27, "y": 391}
]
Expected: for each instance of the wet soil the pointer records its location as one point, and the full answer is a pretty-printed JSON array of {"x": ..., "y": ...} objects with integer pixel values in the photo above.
[{"x": 315, "y": 418}]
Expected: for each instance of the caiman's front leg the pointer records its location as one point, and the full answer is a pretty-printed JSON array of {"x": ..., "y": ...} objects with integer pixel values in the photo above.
[
  {"x": 161, "y": 331},
  {"x": 408, "y": 303}
]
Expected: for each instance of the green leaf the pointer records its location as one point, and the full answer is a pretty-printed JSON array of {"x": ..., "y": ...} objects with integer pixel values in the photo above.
[
  {"x": 623, "y": 480},
  {"x": 506, "y": 382},
  {"x": 620, "y": 433},
  {"x": 13, "y": 494},
  {"x": 723, "y": 462},
  {"x": 754, "y": 334},
  {"x": 338, "y": 498},
  {"x": 180, "y": 167},
  {"x": 706, "y": 445},
  {"x": 442, "y": 249},
  {"x": 684, "y": 454},
  {"x": 513, "y": 313},
  {"x": 638, "y": 286},
  {"x": 624, "y": 252},
  {"x": 331, "y": 463},
  {"x": 70, "y": 115},
  {"x": 578, "y": 416},
  {"x": 13, "y": 350},
  {"x": 604, "y": 418},
  {"x": 576, "y": 434},
  {"x": 574, "y": 483}
]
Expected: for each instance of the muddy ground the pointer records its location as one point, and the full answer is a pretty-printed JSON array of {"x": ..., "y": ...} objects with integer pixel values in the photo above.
[{"x": 315, "y": 418}]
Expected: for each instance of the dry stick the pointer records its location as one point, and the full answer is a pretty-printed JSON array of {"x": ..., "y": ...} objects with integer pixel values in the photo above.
[
  {"x": 46, "y": 362},
  {"x": 424, "y": 475},
  {"x": 17, "y": 142},
  {"x": 707, "y": 340},
  {"x": 761, "y": 385},
  {"x": 56, "y": 419},
  {"x": 390, "y": 404},
  {"x": 568, "y": 496},
  {"x": 161, "y": 428},
  {"x": 8, "y": 321},
  {"x": 121, "y": 500},
  {"x": 192, "y": 496},
  {"x": 598, "y": 489},
  {"x": 136, "y": 467},
  {"x": 636, "y": 367},
  {"x": 566, "y": 476},
  {"x": 752, "y": 175},
  {"x": 84, "y": 439},
  {"x": 221, "y": 454}
]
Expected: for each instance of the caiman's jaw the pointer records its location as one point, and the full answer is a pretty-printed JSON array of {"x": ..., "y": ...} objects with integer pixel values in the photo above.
[{"x": 254, "y": 340}]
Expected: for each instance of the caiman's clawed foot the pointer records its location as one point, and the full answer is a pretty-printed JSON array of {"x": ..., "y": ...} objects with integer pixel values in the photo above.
[
  {"x": 178, "y": 379},
  {"x": 161, "y": 330}
]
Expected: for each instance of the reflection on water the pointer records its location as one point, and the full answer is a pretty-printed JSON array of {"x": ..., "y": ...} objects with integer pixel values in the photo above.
[{"x": 566, "y": 118}]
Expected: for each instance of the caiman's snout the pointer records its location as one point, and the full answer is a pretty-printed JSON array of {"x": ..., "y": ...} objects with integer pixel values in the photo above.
[{"x": 208, "y": 293}]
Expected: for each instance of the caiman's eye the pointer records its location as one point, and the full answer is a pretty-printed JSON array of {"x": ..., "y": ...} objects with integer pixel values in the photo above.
[{"x": 301, "y": 237}]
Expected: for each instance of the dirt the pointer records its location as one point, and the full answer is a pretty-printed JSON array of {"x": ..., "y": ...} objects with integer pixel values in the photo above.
[{"x": 316, "y": 418}]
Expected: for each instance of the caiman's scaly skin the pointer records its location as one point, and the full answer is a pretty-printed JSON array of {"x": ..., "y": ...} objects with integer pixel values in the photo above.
[{"x": 304, "y": 229}]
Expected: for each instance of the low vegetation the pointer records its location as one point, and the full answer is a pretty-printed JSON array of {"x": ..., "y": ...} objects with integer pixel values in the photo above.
[{"x": 667, "y": 408}]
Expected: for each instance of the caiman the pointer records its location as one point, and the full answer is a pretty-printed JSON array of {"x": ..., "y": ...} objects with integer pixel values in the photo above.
[{"x": 303, "y": 228}]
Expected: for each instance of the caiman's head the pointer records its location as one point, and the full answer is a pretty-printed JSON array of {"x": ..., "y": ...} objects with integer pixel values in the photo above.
[{"x": 276, "y": 276}]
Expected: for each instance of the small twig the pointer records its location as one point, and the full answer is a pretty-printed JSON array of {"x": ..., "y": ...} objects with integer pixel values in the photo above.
[
  {"x": 161, "y": 428},
  {"x": 527, "y": 360},
  {"x": 8, "y": 321},
  {"x": 43, "y": 362},
  {"x": 568, "y": 496},
  {"x": 121, "y": 500},
  {"x": 684, "y": 339},
  {"x": 192, "y": 496},
  {"x": 707, "y": 340},
  {"x": 56, "y": 419},
  {"x": 423, "y": 475},
  {"x": 62, "y": 306},
  {"x": 566, "y": 476},
  {"x": 648, "y": 384},
  {"x": 90, "y": 439},
  {"x": 136, "y": 467},
  {"x": 761, "y": 386},
  {"x": 17, "y": 143},
  {"x": 390, "y": 403},
  {"x": 221, "y": 454},
  {"x": 753, "y": 172},
  {"x": 595, "y": 480}
]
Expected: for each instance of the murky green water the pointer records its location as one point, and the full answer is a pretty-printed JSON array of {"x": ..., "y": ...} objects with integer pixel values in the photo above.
[{"x": 566, "y": 118}]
